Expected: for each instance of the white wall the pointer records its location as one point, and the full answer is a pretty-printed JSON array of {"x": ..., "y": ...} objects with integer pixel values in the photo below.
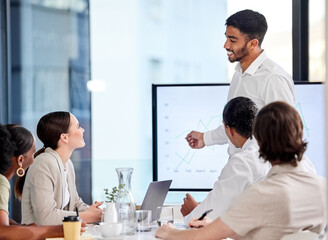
[
  {"x": 135, "y": 43},
  {"x": 115, "y": 123}
]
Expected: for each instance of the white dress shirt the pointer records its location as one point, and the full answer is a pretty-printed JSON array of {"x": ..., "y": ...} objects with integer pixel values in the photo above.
[
  {"x": 242, "y": 168},
  {"x": 264, "y": 82}
]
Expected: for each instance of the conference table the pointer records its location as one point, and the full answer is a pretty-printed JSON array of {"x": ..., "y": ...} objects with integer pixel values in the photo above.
[{"x": 91, "y": 233}]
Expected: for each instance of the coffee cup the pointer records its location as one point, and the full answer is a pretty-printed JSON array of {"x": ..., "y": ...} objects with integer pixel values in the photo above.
[
  {"x": 72, "y": 227},
  {"x": 109, "y": 229}
]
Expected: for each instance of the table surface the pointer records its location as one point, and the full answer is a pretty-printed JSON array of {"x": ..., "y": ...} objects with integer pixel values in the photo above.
[
  {"x": 91, "y": 234},
  {"x": 137, "y": 236}
]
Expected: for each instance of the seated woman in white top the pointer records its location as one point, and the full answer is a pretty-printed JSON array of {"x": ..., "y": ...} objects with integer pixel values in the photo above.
[
  {"x": 290, "y": 199},
  {"x": 49, "y": 191}
]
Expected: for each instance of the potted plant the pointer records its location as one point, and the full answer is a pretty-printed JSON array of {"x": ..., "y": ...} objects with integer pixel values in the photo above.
[{"x": 110, "y": 214}]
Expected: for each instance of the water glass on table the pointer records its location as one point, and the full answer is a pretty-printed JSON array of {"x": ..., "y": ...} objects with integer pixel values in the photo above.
[
  {"x": 144, "y": 219},
  {"x": 128, "y": 219},
  {"x": 164, "y": 215}
]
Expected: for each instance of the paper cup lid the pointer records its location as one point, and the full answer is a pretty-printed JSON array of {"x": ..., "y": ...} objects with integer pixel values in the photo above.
[{"x": 71, "y": 219}]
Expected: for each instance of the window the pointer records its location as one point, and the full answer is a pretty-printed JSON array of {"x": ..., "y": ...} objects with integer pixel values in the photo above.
[
  {"x": 317, "y": 40},
  {"x": 50, "y": 67}
]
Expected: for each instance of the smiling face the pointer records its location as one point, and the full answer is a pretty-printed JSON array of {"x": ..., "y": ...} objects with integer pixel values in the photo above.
[
  {"x": 236, "y": 45},
  {"x": 75, "y": 133}
]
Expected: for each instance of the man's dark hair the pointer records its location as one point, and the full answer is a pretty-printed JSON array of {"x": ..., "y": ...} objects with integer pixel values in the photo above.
[
  {"x": 250, "y": 23},
  {"x": 278, "y": 129},
  {"x": 239, "y": 113}
]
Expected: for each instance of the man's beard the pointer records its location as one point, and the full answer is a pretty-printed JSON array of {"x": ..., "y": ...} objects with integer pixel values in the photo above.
[{"x": 243, "y": 52}]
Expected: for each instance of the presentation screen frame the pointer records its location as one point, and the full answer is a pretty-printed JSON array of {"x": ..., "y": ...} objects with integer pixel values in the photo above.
[
  {"x": 155, "y": 133},
  {"x": 155, "y": 125}
]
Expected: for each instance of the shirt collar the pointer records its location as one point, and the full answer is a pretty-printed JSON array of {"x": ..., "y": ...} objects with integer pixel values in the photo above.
[
  {"x": 250, "y": 142},
  {"x": 56, "y": 155},
  {"x": 285, "y": 168},
  {"x": 254, "y": 65}
]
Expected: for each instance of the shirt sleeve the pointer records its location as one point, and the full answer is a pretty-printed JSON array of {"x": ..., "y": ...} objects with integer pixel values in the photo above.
[
  {"x": 278, "y": 88},
  {"x": 216, "y": 136},
  {"x": 4, "y": 195},
  {"x": 235, "y": 176}
]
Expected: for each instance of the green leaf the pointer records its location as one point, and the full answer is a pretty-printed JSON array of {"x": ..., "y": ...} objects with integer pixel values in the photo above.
[{"x": 117, "y": 192}]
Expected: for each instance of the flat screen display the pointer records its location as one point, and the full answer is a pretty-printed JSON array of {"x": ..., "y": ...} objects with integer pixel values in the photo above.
[{"x": 179, "y": 109}]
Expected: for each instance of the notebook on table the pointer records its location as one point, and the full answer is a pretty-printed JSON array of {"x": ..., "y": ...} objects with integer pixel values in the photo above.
[{"x": 155, "y": 196}]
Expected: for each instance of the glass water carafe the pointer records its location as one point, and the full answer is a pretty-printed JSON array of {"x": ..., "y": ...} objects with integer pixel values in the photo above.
[{"x": 126, "y": 201}]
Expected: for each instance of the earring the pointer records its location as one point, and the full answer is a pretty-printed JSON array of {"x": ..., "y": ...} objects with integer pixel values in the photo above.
[{"x": 20, "y": 172}]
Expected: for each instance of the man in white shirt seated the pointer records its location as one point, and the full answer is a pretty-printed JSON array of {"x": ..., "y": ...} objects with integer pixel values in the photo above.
[
  {"x": 242, "y": 168},
  {"x": 290, "y": 199}
]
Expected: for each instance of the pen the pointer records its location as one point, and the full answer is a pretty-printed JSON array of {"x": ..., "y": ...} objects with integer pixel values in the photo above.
[{"x": 204, "y": 214}]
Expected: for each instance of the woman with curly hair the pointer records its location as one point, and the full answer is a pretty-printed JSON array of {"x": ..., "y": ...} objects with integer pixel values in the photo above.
[{"x": 17, "y": 146}]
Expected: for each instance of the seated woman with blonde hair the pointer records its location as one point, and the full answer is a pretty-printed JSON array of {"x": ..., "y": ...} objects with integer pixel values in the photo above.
[
  {"x": 49, "y": 191},
  {"x": 17, "y": 146}
]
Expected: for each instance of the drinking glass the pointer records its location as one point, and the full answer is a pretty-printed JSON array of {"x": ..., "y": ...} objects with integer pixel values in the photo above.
[
  {"x": 164, "y": 215},
  {"x": 128, "y": 220},
  {"x": 144, "y": 219}
]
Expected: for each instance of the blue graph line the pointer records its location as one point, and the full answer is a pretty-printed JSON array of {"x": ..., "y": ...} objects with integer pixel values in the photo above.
[
  {"x": 199, "y": 124},
  {"x": 298, "y": 105},
  {"x": 183, "y": 159}
]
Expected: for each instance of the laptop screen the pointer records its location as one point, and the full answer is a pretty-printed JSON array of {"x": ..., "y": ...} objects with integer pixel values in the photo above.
[{"x": 155, "y": 196}]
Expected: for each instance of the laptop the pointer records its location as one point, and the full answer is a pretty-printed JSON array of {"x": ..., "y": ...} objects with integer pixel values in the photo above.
[{"x": 155, "y": 196}]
